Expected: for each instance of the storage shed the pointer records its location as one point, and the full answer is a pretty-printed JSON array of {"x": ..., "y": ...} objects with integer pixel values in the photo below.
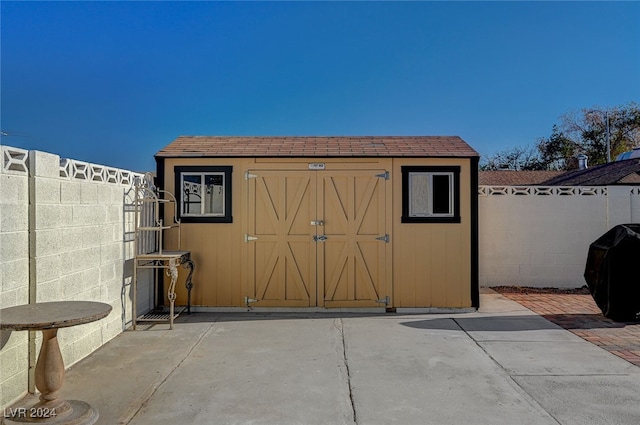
[{"x": 325, "y": 222}]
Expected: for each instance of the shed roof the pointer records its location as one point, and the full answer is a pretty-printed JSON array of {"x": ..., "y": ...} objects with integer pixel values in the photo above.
[{"x": 297, "y": 146}]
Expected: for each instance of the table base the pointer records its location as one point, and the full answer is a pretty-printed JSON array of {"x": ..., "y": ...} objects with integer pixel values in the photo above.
[{"x": 81, "y": 414}]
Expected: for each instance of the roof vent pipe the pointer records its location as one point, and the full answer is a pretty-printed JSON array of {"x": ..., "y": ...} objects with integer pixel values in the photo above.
[{"x": 582, "y": 162}]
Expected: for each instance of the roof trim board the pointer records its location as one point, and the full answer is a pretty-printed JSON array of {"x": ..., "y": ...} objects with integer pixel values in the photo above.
[{"x": 325, "y": 147}]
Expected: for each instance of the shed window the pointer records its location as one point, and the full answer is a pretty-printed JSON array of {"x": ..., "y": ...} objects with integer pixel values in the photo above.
[
  {"x": 430, "y": 194},
  {"x": 204, "y": 194}
]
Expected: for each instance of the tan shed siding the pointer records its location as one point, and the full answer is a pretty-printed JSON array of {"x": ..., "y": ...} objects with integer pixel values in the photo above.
[
  {"x": 432, "y": 261},
  {"x": 428, "y": 264},
  {"x": 216, "y": 248}
]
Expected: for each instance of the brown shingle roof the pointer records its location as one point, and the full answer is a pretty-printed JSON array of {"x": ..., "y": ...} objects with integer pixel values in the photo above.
[
  {"x": 295, "y": 146},
  {"x": 625, "y": 172},
  {"x": 618, "y": 172},
  {"x": 515, "y": 178}
]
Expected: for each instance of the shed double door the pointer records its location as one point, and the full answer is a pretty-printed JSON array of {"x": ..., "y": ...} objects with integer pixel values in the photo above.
[{"x": 317, "y": 238}]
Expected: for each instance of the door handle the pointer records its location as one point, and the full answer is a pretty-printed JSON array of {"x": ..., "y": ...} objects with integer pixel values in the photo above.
[
  {"x": 317, "y": 223},
  {"x": 319, "y": 238}
]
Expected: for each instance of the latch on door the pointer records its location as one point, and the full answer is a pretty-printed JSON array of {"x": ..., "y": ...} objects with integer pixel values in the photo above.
[
  {"x": 319, "y": 238},
  {"x": 317, "y": 223}
]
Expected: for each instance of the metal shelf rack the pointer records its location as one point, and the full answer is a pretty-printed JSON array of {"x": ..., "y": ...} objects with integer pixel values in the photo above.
[{"x": 150, "y": 252}]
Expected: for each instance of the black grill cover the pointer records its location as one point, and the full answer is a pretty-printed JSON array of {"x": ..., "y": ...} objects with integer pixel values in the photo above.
[{"x": 612, "y": 272}]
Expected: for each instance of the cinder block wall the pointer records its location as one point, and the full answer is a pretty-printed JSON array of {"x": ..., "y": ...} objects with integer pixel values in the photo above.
[
  {"x": 540, "y": 236},
  {"x": 14, "y": 268},
  {"x": 635, "y": 206},
  {"x": 65, "y": 235}
]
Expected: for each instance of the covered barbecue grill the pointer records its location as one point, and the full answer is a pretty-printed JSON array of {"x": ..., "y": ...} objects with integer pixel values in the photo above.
[{"x": 612, "y": 274}]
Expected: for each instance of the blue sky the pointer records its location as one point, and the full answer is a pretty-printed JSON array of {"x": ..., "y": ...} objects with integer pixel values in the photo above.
[{"x": 114, "y": 82}]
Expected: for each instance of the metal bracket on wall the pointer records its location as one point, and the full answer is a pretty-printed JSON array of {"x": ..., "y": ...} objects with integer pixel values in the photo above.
[
  {"x": 386, "y": 300},
  {"x": 248, "y": 301}
]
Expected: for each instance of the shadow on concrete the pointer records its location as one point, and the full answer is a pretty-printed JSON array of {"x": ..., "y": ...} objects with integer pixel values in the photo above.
[
  {"x": 469, "y": 324},
  {"x": 584, "y": 321},
  {"x": 484, "y": 324},
  {"x": 514, "y": 323},
  {"x": 247, "y": 316},
  {"x": 4, "y": 338},
  {"x": 221, "y": 317}
]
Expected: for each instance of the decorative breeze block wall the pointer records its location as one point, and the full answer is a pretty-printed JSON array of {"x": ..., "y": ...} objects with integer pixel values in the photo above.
[
  {"x": 540, "y": 236},
  {"x": 65, "y": 234}
]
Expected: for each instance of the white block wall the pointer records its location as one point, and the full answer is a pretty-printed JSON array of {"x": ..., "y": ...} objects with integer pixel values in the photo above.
[
  {"x": 635, "y": 207},
  {"x": 14, "y": 267},
  {"x": 63, "y": 236},
  {"x": 540, "y": 236}
]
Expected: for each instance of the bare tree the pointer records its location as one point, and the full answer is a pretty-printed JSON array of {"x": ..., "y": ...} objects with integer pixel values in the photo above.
[
  {"x": 516, "y": 158},
  {"x": 599, "y": 133}
]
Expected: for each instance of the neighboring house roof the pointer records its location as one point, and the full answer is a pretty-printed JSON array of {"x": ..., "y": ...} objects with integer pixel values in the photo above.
[
  {"x": 294, "y": 146},
  {"x": 618, "y": 172},
  {"x": 635, "y": 153},
  {"x": 514, "y": 178}
]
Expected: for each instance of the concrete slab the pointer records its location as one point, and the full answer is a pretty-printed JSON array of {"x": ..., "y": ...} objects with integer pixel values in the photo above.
[
  {"x": 555, "y": 358},
  {"x": 266, "y": 371},
  {"x": 503, "y": 367},
  {"x": 120, "y": 378},
  {"x": 404, "y": 371},
  {"x": 514, "y": 328},
  {"x": 495, "y": 304},
  {"x": 587, "y": 400}
]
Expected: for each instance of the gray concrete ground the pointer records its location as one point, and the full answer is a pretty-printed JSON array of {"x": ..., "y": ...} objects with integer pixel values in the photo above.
[{"x": 500, "y": 365}]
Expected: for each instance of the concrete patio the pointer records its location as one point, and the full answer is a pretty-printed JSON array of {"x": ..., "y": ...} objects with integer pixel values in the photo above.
[
  {"x": 501, "y": 365},
  {"x": 68, "y": 236}
]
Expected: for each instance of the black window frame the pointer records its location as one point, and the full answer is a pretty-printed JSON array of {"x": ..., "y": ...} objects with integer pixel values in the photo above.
[
  {"x": 407, "y": 169},
  {"x": 227, "y": 170}
]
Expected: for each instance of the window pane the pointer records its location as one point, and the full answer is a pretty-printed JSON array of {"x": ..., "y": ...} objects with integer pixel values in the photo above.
[
  {"x": 430, "y": 194},
  {"x": 442, "y": 194},
  {"x": 204, "y": 193},
  {"x": 191, "y": 193},
  {"x": 418, "y": 194},
  {"x": 214, "y": 194}
]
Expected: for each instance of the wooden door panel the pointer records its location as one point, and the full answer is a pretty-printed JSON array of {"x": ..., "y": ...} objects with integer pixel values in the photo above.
[
  {"x": 280, "y": 208},
  {"x": 289, "y": 268},
  {"x": 351, "y": 260},
  {"x": 335, "y": 279}
]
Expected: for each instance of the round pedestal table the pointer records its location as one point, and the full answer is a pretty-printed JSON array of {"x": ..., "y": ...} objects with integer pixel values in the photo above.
[{"x": 49, "y": 374}]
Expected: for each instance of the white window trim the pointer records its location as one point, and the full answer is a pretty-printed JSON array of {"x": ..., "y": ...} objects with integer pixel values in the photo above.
[
  {"x": 202, "y": 175},
  {"x": 430, "y": 212}
]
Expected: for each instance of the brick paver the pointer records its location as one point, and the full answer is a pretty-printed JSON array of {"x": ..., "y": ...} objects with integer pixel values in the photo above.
[{"x": 579, "y": 314}]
